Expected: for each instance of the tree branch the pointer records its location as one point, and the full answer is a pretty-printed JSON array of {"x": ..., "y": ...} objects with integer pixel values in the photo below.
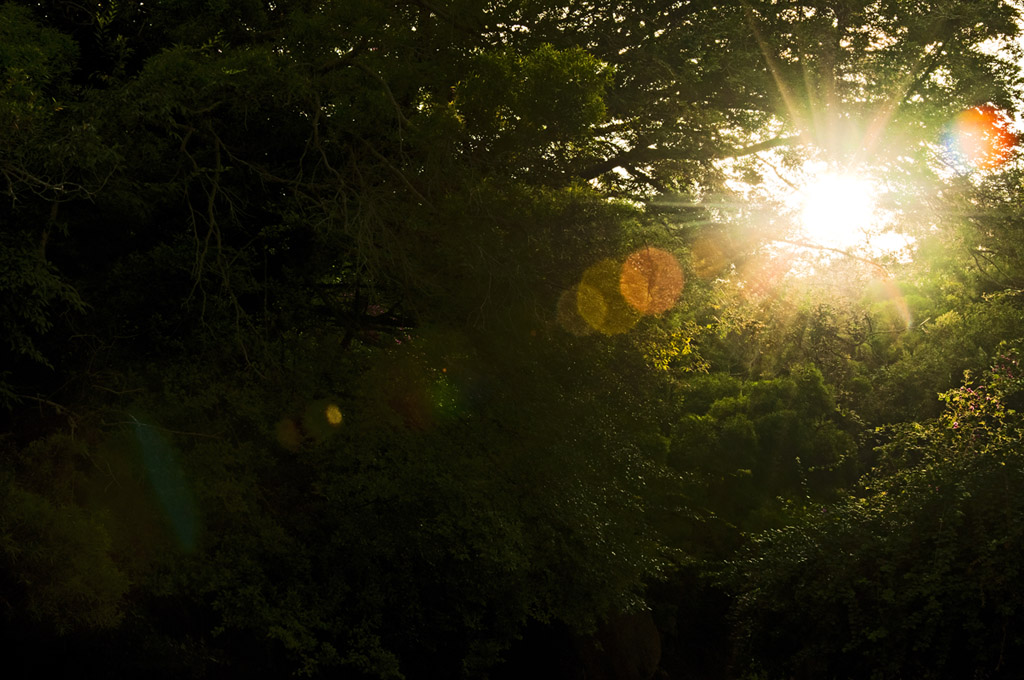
[
  {"x": 840, "y": 251},
  {"x": 644, "y": 156}
]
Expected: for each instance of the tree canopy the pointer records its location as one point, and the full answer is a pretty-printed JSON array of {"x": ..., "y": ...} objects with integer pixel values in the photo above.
[{"x": 382, "y": 339}]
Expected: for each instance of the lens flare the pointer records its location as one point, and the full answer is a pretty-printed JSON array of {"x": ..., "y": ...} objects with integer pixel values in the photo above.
[
  {"x": 599, "y": 300},
  {"x": 321, "y": 419},
  {"x": 980, "y": 138},
  {"x": 891, "y": 292},
  {"x": 169, "y": 484},
  {"x": 762, "y": 274},
  {"x": 333, "y": 414},
  {"x": 568, "y": 313},
  {"x": 651, "y": 280},
  {"x": 591, "y": 305}
]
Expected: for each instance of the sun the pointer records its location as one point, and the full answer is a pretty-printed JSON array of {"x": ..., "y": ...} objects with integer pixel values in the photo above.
[{"x": 837, "y": 210}]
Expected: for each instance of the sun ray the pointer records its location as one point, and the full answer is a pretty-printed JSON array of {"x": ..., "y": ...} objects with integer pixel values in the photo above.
[
  {"x": 887, "y": 109},
  {"x": 773, "y": 68}
]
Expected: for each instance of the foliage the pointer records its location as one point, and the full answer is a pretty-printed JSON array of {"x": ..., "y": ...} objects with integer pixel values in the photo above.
[
  {"x": 914, "y": 576},
  {"x": 58, "y": 567},
  {"x": 750, "y": 445},
  {"x": 287, "y": 385}
]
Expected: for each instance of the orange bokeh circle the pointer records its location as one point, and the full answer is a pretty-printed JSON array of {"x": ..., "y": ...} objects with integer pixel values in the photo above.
[
  {"x": 983, "y": 137},
  {"x": 651, "y": 280}
]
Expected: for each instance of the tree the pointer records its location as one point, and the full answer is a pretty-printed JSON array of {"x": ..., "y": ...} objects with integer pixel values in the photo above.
[
  {"x": 912, "y": 573},
  {"x": 309, "y": 273}
]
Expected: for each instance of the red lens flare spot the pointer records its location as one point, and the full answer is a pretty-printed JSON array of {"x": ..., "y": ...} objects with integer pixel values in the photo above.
[
  {"x": 981, "y": 137},
  {"x": 651, "y": 280}
]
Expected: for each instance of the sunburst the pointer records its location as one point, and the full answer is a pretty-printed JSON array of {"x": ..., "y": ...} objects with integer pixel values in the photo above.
[{"x": 837, "y": 210}]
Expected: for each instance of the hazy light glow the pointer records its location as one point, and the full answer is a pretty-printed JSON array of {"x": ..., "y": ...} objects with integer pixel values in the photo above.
[{"x": 837, "y": 210}]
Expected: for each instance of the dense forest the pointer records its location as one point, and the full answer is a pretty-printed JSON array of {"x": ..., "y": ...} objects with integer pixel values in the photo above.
[{"x": 385, "y": 339}]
